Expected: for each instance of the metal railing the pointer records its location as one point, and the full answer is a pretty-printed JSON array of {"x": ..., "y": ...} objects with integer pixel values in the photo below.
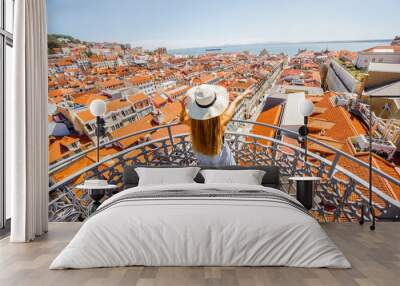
[{"x": 339, "y": 195}]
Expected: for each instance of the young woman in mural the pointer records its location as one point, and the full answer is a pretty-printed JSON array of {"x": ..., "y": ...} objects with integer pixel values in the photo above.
[{"x": 207, "y": 111}]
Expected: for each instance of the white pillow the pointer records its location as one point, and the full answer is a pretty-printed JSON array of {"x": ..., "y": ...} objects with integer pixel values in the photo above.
[
  {"x": 166, "y": 176},
  {"x": 248, "y": 177}
]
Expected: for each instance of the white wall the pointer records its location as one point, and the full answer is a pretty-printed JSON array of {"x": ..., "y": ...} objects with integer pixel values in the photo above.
[
  {"x": 364, "y": 59},
  {"x": 340, "y": 80},
  {"x": 345, "y": 77},
  {"x": 292, "y": 119}
]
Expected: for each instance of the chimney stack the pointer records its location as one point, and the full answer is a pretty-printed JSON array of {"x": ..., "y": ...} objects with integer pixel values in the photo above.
[{"x": 362, "y": 79}]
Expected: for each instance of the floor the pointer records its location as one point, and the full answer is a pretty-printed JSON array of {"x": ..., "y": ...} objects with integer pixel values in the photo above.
[{"x": 375, "y": 257}]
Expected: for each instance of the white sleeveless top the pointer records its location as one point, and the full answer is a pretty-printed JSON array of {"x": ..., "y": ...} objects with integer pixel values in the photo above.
[{"x": 223, "y": 158}]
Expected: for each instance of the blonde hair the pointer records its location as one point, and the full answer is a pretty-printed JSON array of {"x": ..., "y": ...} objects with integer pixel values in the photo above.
[{"x": 206, "y": 135}]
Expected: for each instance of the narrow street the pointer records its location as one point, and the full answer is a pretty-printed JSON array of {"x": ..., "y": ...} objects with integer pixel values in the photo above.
[{"x": 257, "y": 111}]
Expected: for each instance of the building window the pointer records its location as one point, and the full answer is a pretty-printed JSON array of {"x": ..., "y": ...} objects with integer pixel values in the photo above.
[{"x": 6, "y": 44}]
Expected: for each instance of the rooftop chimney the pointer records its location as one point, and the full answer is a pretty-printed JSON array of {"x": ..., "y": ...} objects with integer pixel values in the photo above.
[{"x": 362, "y": 79}]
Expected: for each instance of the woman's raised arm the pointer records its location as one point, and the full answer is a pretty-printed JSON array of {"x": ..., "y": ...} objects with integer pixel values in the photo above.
[
  {"x": 230, "y": 111},
  {"x": 183, "y": 117}
]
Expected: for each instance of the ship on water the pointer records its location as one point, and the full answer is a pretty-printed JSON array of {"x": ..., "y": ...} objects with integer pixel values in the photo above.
[{"x": 213, "y": 49}]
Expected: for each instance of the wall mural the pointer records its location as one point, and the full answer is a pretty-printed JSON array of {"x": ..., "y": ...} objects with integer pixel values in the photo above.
[{"x": 103, "y": 56}]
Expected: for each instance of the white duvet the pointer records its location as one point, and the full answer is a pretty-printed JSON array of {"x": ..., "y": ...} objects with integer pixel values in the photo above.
[{"x": 192, "y": 231}]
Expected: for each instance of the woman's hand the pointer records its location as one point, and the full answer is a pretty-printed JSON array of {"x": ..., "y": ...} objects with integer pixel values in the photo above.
[
  {"x": 240, "y": 97},
  {"x": 183, "y": 116},
  {"x": 230, "y": 111},
  {"x": 183, "y": 101}
]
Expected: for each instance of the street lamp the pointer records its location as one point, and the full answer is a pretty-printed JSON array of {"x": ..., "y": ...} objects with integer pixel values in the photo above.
[
  {"x": 97, "y": 187},
  {"x": 306, "y": 108},
  {"x": 98, "y": 108},
  {"x": 305, "y": 184}
]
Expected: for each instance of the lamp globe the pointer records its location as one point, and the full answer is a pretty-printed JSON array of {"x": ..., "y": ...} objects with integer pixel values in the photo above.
[
  {"x": 306, "y": 107},
  {"x": 98, "y": 107}
]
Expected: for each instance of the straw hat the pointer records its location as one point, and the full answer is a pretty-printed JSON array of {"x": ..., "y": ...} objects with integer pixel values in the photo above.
[{"x": 207, "y": 101}]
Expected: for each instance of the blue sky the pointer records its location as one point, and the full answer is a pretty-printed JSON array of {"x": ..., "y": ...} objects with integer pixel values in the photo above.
[{"x": 189, "y": 23}]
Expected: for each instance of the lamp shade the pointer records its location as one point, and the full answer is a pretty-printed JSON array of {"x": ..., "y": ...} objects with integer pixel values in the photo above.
[
  {"x": 306, "y": 107},
  {"x": 98, "y": 107}
]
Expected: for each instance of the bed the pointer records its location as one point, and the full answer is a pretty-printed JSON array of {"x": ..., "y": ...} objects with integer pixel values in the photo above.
[{"x": 201, "y": 224}]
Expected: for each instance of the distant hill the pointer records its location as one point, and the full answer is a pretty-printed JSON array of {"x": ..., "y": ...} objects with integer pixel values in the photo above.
[
  {"x": 58, "y": 40},
  {"x": 62, "y": 38}
]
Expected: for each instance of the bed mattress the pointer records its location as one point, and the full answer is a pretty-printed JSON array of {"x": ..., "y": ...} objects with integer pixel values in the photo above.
[{"x": 201, "y": 225}]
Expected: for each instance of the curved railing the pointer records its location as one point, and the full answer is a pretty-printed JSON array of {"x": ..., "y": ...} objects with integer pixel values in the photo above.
[{"x": 339, "y": 195}]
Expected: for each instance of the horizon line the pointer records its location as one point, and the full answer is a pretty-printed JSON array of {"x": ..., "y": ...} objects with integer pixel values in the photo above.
[
  {"x": 285, "y": 42},
  {"x": 237, "y": 44}
]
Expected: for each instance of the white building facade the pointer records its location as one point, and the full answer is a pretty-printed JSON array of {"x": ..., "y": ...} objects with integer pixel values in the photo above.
[{"x": 383, "y": 54}]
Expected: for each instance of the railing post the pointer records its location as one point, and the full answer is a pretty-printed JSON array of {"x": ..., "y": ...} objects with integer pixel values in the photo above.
[
  {"x": 171, "y": 139},
  {"x": 273, "y": 152},
  {"x": 255, "y": 150},
  {"x": 237, "y": 148},
  {"x": 333, "y": 165},
  {"x": 340, "y": 207}
]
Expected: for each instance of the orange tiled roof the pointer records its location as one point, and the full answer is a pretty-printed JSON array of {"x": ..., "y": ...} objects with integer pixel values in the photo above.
[
  {"x": 137, "y": 97},
  {"x": 111, "y": 83},
  {"x": 136, "y": 80},
  {"x": 56, "y": 151},
  {"x": 347, "y": 126},
  {"x": 178, "y": 90},
  {"x": 85, "y": 115},
  {"x": 158, "y": 100},
  {"x": 270, "y": 116},
  {"x": 171, "y": 111},
  {"x": 242, "y": 84},
  {"x": 317, "y": 124},
  {"x": 63, "y": 62},
  {"x": 327, "y": 140},
  {"x": 141, "y": 124},
  {"x": 59, "y": 92},
  {"x": 68, "y": 140},
  {"x": 178, "y": 129},
  {"x": 86, "y": 99},
  {"x": 72, "y": 70},
  {"x": 117, "y": 104},
  {"x": 81, "y": 163},
  {"x": 288, "y": 72},
  {"x": 73, "y": 168}
]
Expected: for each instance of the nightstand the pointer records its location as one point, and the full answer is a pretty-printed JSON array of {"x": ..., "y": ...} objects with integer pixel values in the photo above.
[
  {"x": 305, "y": 190},
  {"x": 96, "y": 189}
]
